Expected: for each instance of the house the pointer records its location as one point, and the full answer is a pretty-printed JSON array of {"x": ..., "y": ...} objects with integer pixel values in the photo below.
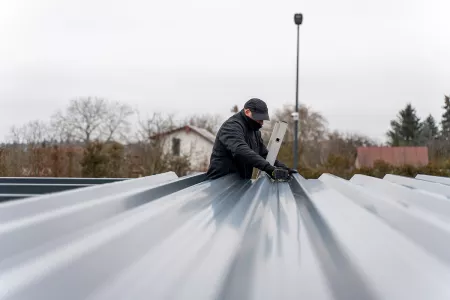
[
  {"x": 192, "y": 141},
  {"x": 396, "y": 156}
]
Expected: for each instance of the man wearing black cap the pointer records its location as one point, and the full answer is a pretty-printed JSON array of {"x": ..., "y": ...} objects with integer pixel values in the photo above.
[{"x": 239, "y": 146}]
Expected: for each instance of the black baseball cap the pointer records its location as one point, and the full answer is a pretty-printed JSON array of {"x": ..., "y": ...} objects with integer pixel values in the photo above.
[{"x": 258, "y": 108}]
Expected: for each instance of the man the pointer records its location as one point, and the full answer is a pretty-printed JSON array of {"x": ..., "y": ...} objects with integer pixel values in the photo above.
[{"x": 239, "y": 147}]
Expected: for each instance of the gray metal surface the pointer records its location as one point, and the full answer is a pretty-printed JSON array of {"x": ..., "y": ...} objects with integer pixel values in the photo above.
[
  {"x": 35, "y": 206},
  {"x": 13, "y": 188},
  {"x": 37, "y": 188},
  {"x": 59, "y": 180},
  {"x": 20, "y": 232},
  {"x": 191, "y": 238},
  {"x": 7, "y": 197}
]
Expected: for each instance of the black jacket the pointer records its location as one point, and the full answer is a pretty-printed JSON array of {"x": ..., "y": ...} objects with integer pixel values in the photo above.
[{"x": 238, "y": 148}]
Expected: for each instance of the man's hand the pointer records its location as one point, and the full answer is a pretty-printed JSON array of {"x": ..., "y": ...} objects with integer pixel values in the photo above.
[
  {"x": 280, "y": 174},
  {"x": 277, "y": 173},
  {"x": 279, "y": 164},
  {"x": 292, "y": 171}
]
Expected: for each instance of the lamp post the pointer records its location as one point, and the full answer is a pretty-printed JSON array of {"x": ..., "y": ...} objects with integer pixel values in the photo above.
[{"x": 298, "y": 19}]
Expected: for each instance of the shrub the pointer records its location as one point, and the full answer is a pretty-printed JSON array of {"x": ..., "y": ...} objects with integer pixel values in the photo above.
[{"x": 94, "y": 161}]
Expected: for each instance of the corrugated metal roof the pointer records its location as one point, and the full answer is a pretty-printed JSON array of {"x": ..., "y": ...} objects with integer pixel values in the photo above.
[
  {"x": 192, "y": 238},
  {"x": 59, "y": 180},
  {"x": 13, "y": 188}
]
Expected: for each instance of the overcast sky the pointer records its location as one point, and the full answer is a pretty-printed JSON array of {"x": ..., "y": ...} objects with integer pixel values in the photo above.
[{"x": 361, "y": 61}]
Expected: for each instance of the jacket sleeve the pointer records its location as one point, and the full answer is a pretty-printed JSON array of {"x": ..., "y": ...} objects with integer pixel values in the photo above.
[
  {"x": 264, "y": 152},
  {"x": 232, "y": 137}
]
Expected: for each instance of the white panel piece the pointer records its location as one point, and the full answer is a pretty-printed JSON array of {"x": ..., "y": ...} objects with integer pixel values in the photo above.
[
  {"x": 274, "y": 145},
  {"x": 419, "y": 185},
  {"x": 421, "y": 226},
  {"x": 435, "y": 203},
  {"x": 436, "y": 179}
]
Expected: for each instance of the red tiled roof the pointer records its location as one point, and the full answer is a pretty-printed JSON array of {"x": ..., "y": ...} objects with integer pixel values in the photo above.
[{"x": 396, "y": 156}]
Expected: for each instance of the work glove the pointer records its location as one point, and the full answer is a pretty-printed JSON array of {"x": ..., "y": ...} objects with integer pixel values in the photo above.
[
  {"x": 279, "y": 164},
  {"x": 277, "y": 173},
  {"x": 292, "y": 171}
]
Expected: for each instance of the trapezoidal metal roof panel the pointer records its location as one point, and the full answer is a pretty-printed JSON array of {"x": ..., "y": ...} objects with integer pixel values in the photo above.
[{"x": 229, "y": 238}]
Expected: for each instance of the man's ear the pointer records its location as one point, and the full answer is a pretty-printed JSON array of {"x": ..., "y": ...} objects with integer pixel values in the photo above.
[{"x": 247, "y": 112}]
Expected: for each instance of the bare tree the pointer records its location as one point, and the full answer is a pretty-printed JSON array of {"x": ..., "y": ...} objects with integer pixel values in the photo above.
[
  {"x": 33, "y": 132},
  {"x": 205, "y": 121},
  {"x": 82, "y": 118},
  {"x": 344, "y": 145},
  {"x": 27, "y": 154},
  {"x": 154, "y": 125},
  {"x": 312, "y": 125},
  {"x": 92, "y": 118},
  {"x": 116, "y": 123},
  {"x": 312, "y": 133}
]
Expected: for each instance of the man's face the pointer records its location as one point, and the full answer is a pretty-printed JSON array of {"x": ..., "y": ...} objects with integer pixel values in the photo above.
[{"x": 248, "y": 113}]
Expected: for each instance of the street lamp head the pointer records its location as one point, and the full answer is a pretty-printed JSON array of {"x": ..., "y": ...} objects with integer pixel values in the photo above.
[{"x": 298, "y": 18}]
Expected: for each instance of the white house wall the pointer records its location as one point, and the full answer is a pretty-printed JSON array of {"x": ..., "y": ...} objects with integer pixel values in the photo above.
[{"x": 192, "y": 144}]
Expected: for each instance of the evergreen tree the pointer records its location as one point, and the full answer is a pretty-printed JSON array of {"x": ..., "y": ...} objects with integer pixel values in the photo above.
[
  {"x": 429, "y": 130},
  {"x": 406, "y": 130},
  {"x": 394, "y": 138},
  {"x": 445, "y": 122}
]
